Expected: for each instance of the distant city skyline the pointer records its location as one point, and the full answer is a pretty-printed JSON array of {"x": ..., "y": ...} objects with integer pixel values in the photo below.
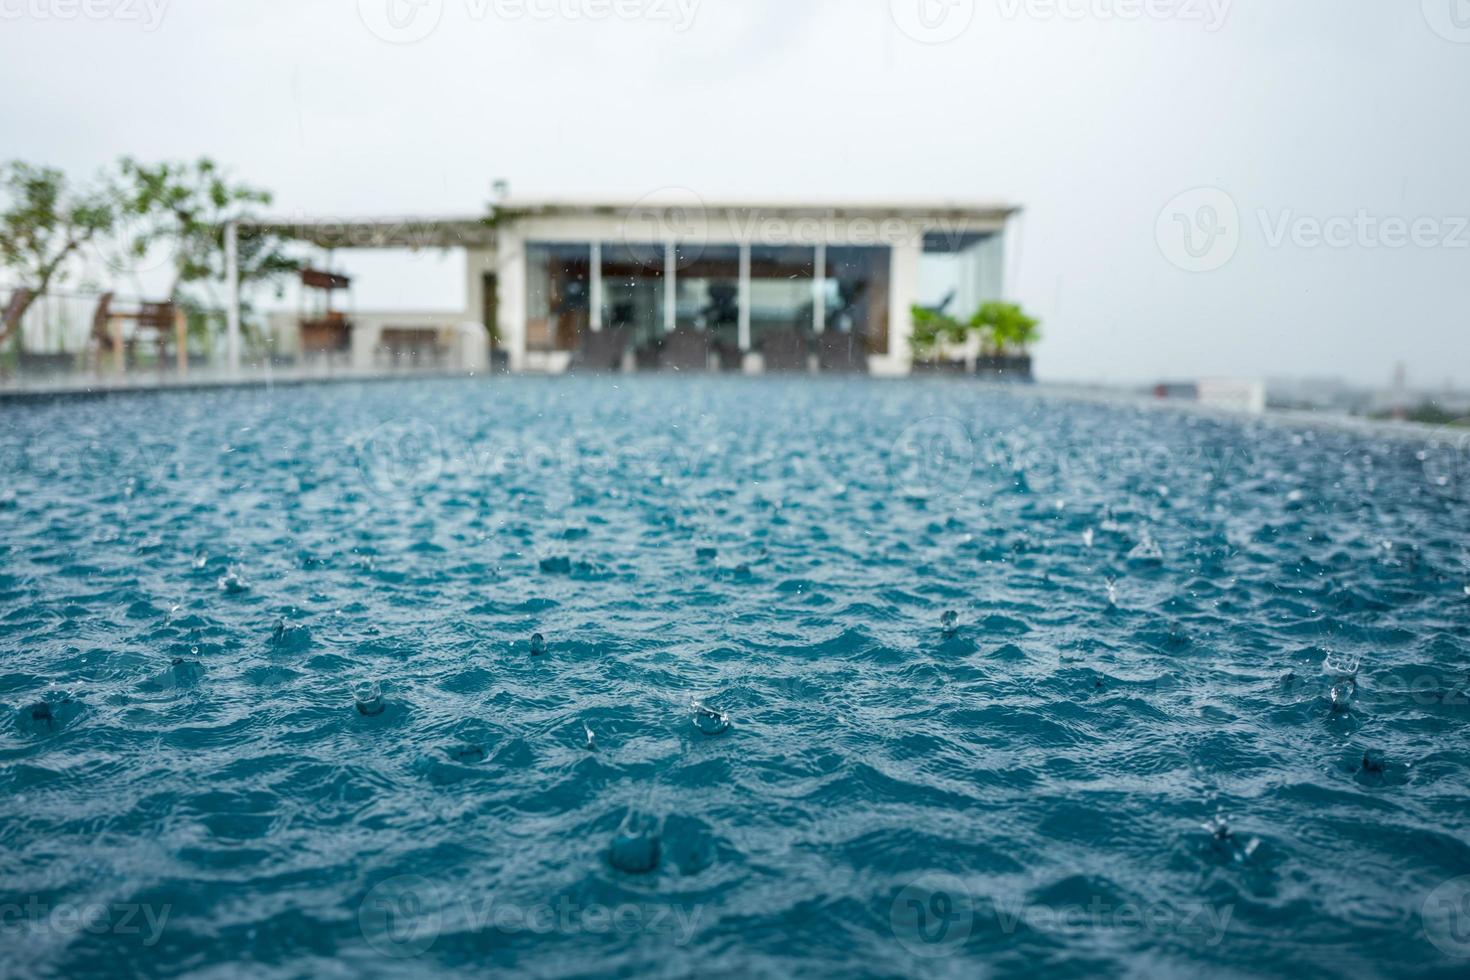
[{"x": 1211, "y": 188}]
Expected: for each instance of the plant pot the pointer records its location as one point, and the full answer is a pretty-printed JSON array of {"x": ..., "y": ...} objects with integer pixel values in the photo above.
[
  {"x": 949, "y": 368},
  {"x": 1004, "y": 367}
]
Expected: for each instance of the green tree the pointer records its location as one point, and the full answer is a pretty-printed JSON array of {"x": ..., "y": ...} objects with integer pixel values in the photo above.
[
  {"x": 43, "y": 223},
  {"x": 185, "y": 208}
]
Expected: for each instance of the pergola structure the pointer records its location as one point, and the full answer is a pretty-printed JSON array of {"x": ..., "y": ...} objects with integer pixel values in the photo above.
[{"x": 402, "y": 232}]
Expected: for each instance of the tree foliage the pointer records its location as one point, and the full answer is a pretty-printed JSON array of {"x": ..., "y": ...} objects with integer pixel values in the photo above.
[
  {"x": 44, "y": 221},
  {"x": 1003, "y": 326},
  {"x": 185, "y": 209}
]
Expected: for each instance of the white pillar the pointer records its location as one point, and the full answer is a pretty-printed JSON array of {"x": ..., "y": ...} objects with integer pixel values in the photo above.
[
  {"x": 232, "y": 289},
  {"x": 744, "y": 329},
  {"x": 671, "y": 303},
  {"x": 819, "y": 296},
  {"x": 596, "y": 286}
]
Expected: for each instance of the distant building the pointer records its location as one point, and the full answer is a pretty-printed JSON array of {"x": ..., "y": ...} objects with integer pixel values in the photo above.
[{"x": 678, "y": 283}]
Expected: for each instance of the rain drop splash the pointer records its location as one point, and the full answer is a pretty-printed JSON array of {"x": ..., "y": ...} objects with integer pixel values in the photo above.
[
  {"x": 232, "y": 583},
  {"x": 1147, "y": 550},
  {"x": 1344, "y": 673},
  {"x": 54, "y": 711},
  {"x": 1223, "y": 837},
  {"x": 636, "y": 846},
  {"x": 590, "y": 744},
  {"x": 708, "y": 720},
  {"x": 186, "y": 673},
  {"x": 538, "y": 645},
  {"x": 368, "y": 696},
  {"x": 1088, "y": 536},
  {"x": 467, "y": 754},
  {"x": 1112, "y": 587},
  {"x": 41, "y": 715}
]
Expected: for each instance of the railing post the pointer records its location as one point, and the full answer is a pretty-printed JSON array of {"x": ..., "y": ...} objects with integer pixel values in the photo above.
[
  {"x": 232, "y": 302},
  {"x": 181, "y": 340}
]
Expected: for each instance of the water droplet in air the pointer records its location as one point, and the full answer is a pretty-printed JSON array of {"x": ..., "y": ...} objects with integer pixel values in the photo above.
[
  {"x": 591, "y": 741},
  {"x": 1341, "y": 666},
  {"x": 1087, "y": 538}
]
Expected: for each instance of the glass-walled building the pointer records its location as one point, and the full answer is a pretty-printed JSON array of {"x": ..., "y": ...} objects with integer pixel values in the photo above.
[
  {"x": 675, "y": 283},
  {"x": 734, "y": 288}
]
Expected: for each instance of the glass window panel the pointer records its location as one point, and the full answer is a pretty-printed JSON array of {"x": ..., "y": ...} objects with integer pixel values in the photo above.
[
  {"x": 633, "y": 290},
  {"x": 855, "y": 293},
  {"x": 960, "y": 270},
  {"x": 558, "y": 295},
  {"x": 781, "y": 296},
  {"x": 707, "y": 290}
]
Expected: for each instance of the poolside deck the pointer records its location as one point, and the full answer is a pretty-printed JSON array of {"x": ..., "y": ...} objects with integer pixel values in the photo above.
[{"x": 16, "y": 389}]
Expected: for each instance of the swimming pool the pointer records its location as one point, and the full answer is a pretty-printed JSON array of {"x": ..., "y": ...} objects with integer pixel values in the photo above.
[{"x": 1120, "y": 754}]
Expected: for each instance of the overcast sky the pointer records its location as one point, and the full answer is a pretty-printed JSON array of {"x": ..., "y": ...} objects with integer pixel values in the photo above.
[{"x": 1331, "y": 139}]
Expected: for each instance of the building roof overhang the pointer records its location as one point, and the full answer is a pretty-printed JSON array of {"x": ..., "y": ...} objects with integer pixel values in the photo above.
[{"x": 480, "y": 231}]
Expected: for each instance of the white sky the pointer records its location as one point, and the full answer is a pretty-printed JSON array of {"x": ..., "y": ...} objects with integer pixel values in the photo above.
[{"x": 1298, "y": 109}]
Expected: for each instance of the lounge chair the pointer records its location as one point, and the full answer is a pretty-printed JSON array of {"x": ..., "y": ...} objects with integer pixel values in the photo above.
[
  {"x": 785, "y": 351},
  {"x": 686, "y": 349},
  {"x": 842, "y": 353},
  {"x": 602, "y": 351}
]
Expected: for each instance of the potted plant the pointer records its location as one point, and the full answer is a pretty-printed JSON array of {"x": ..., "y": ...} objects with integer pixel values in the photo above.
[
  {"x": 932, "y": 330},
  {"x": 1006, "y": 334}
]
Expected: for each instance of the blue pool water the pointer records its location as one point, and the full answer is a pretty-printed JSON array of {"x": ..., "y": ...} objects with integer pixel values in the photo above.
[{"x": 272, "y": 700}]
